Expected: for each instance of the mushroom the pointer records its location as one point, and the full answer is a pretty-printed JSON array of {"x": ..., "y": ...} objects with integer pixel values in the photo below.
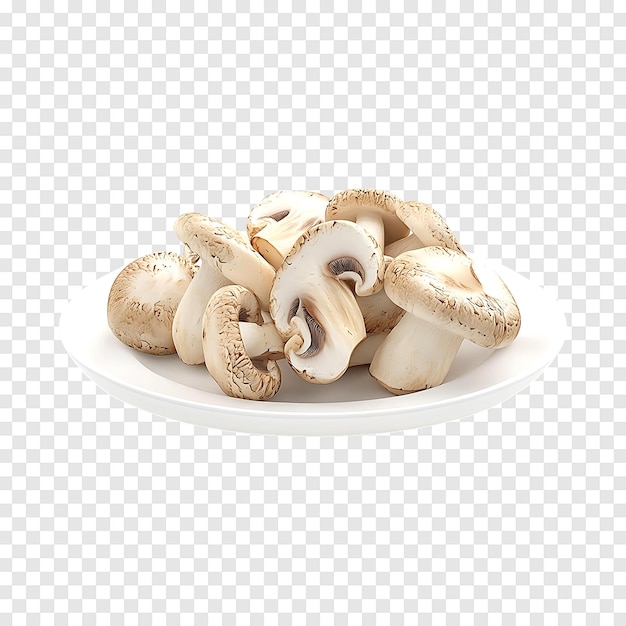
[
  {"x": 276, "y": 223},
  {"x": 312, "y": 305},
  {"x": 372, "y": 209},
  {"x": 230, "y": 351},
  {"x": 241, "y": 350},
  {"x": 226, "y": 258},
  {"x": 143, "y": 300},
  {"x": 447, "y": 298},
  {"x": 428, "y": 228},
  {"x": 379, "y": 313}
]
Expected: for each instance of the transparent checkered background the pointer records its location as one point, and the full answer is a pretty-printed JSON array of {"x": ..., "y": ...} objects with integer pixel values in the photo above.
[{"x": 116, "y": 117}]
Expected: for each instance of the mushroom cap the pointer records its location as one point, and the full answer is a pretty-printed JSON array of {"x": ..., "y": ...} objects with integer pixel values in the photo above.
[
  {"x": 227, "y": 250},
  {"x": 279, "y": 205},
  {"x": 446, "y": 288},
  {"x": 276, "y": 223},
  {"x": 428, "y": 225},
  {"x": 225, "y": 354},
  {"x": 143, "y": 301},
  {"x": 349, "y": 204}
]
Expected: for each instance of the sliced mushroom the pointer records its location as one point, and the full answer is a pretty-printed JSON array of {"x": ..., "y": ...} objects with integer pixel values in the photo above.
[
  {"x": 225, "y": 353},
  {"x": 277, "y": 222},
  {"x": 143, "y": 300},
  {"x": 428, "y": 228},
  {"x": 313, "y": 307},
  {"x": 447, "y": 298},
  {"x": 226, "y": 257},
  {"x": 373, "y": 209}
]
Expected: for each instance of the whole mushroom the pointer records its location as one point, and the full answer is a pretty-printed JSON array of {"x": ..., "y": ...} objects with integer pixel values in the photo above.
[
  {"x": 144, "y": 298},
  {"x": 226, "y": 258},
  {"x": 447, "y": 298}
]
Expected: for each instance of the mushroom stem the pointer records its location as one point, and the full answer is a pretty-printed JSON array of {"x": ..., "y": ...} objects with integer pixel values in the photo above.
[
  {"x": 262, "y": 341},
  {"x": 374, "y": 225},
  {"x": 429, "y": 351},
  {"x": 187, "y": 324}
]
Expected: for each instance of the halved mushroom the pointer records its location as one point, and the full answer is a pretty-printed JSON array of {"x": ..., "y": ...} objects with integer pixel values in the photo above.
[
  {"x": 277, "y": 222},
  {"x": 373, "y": 209},
  {"x": 447, "y": 298},
  {"x": 226, "y": 258},
  {"x": 143, "y": 300},
  {"x": 313, "y": 307},
  {"x": 243, "y": 368},
  {"x": 428, "y": 228}
]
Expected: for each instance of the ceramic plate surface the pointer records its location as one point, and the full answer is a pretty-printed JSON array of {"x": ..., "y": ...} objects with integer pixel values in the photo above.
[{"x": 355, "y": 404}]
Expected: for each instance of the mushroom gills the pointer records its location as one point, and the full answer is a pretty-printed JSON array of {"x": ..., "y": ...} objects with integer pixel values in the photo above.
[
  {"x": 346, "y": 264},
  {"x": 317, "y": 335},
  {"x": 316, "y": 332}
]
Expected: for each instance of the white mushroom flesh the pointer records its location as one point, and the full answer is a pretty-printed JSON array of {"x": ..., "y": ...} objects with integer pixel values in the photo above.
[
  {"x": 187, "y": 325},
  {"x": 311, "y": 303},
  {"x": 373, "y": 224},
  {"x": 280, "y": 219},
  {"x": 261, "y": 341}
]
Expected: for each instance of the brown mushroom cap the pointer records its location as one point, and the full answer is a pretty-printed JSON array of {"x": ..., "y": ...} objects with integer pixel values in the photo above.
[
  {"x": 143, "y": 300},
  {"x": 349, "y": 204},
  {"x": 225, "y": 354},
  {"x": 441, "y": 286}
]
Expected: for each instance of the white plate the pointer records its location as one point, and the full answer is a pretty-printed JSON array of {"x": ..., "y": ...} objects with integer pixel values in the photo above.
[{"x": 478, "y": 380}]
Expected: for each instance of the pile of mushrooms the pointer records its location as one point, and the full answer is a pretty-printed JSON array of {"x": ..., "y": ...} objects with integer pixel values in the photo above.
[{"x": 324, "y": 284}]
